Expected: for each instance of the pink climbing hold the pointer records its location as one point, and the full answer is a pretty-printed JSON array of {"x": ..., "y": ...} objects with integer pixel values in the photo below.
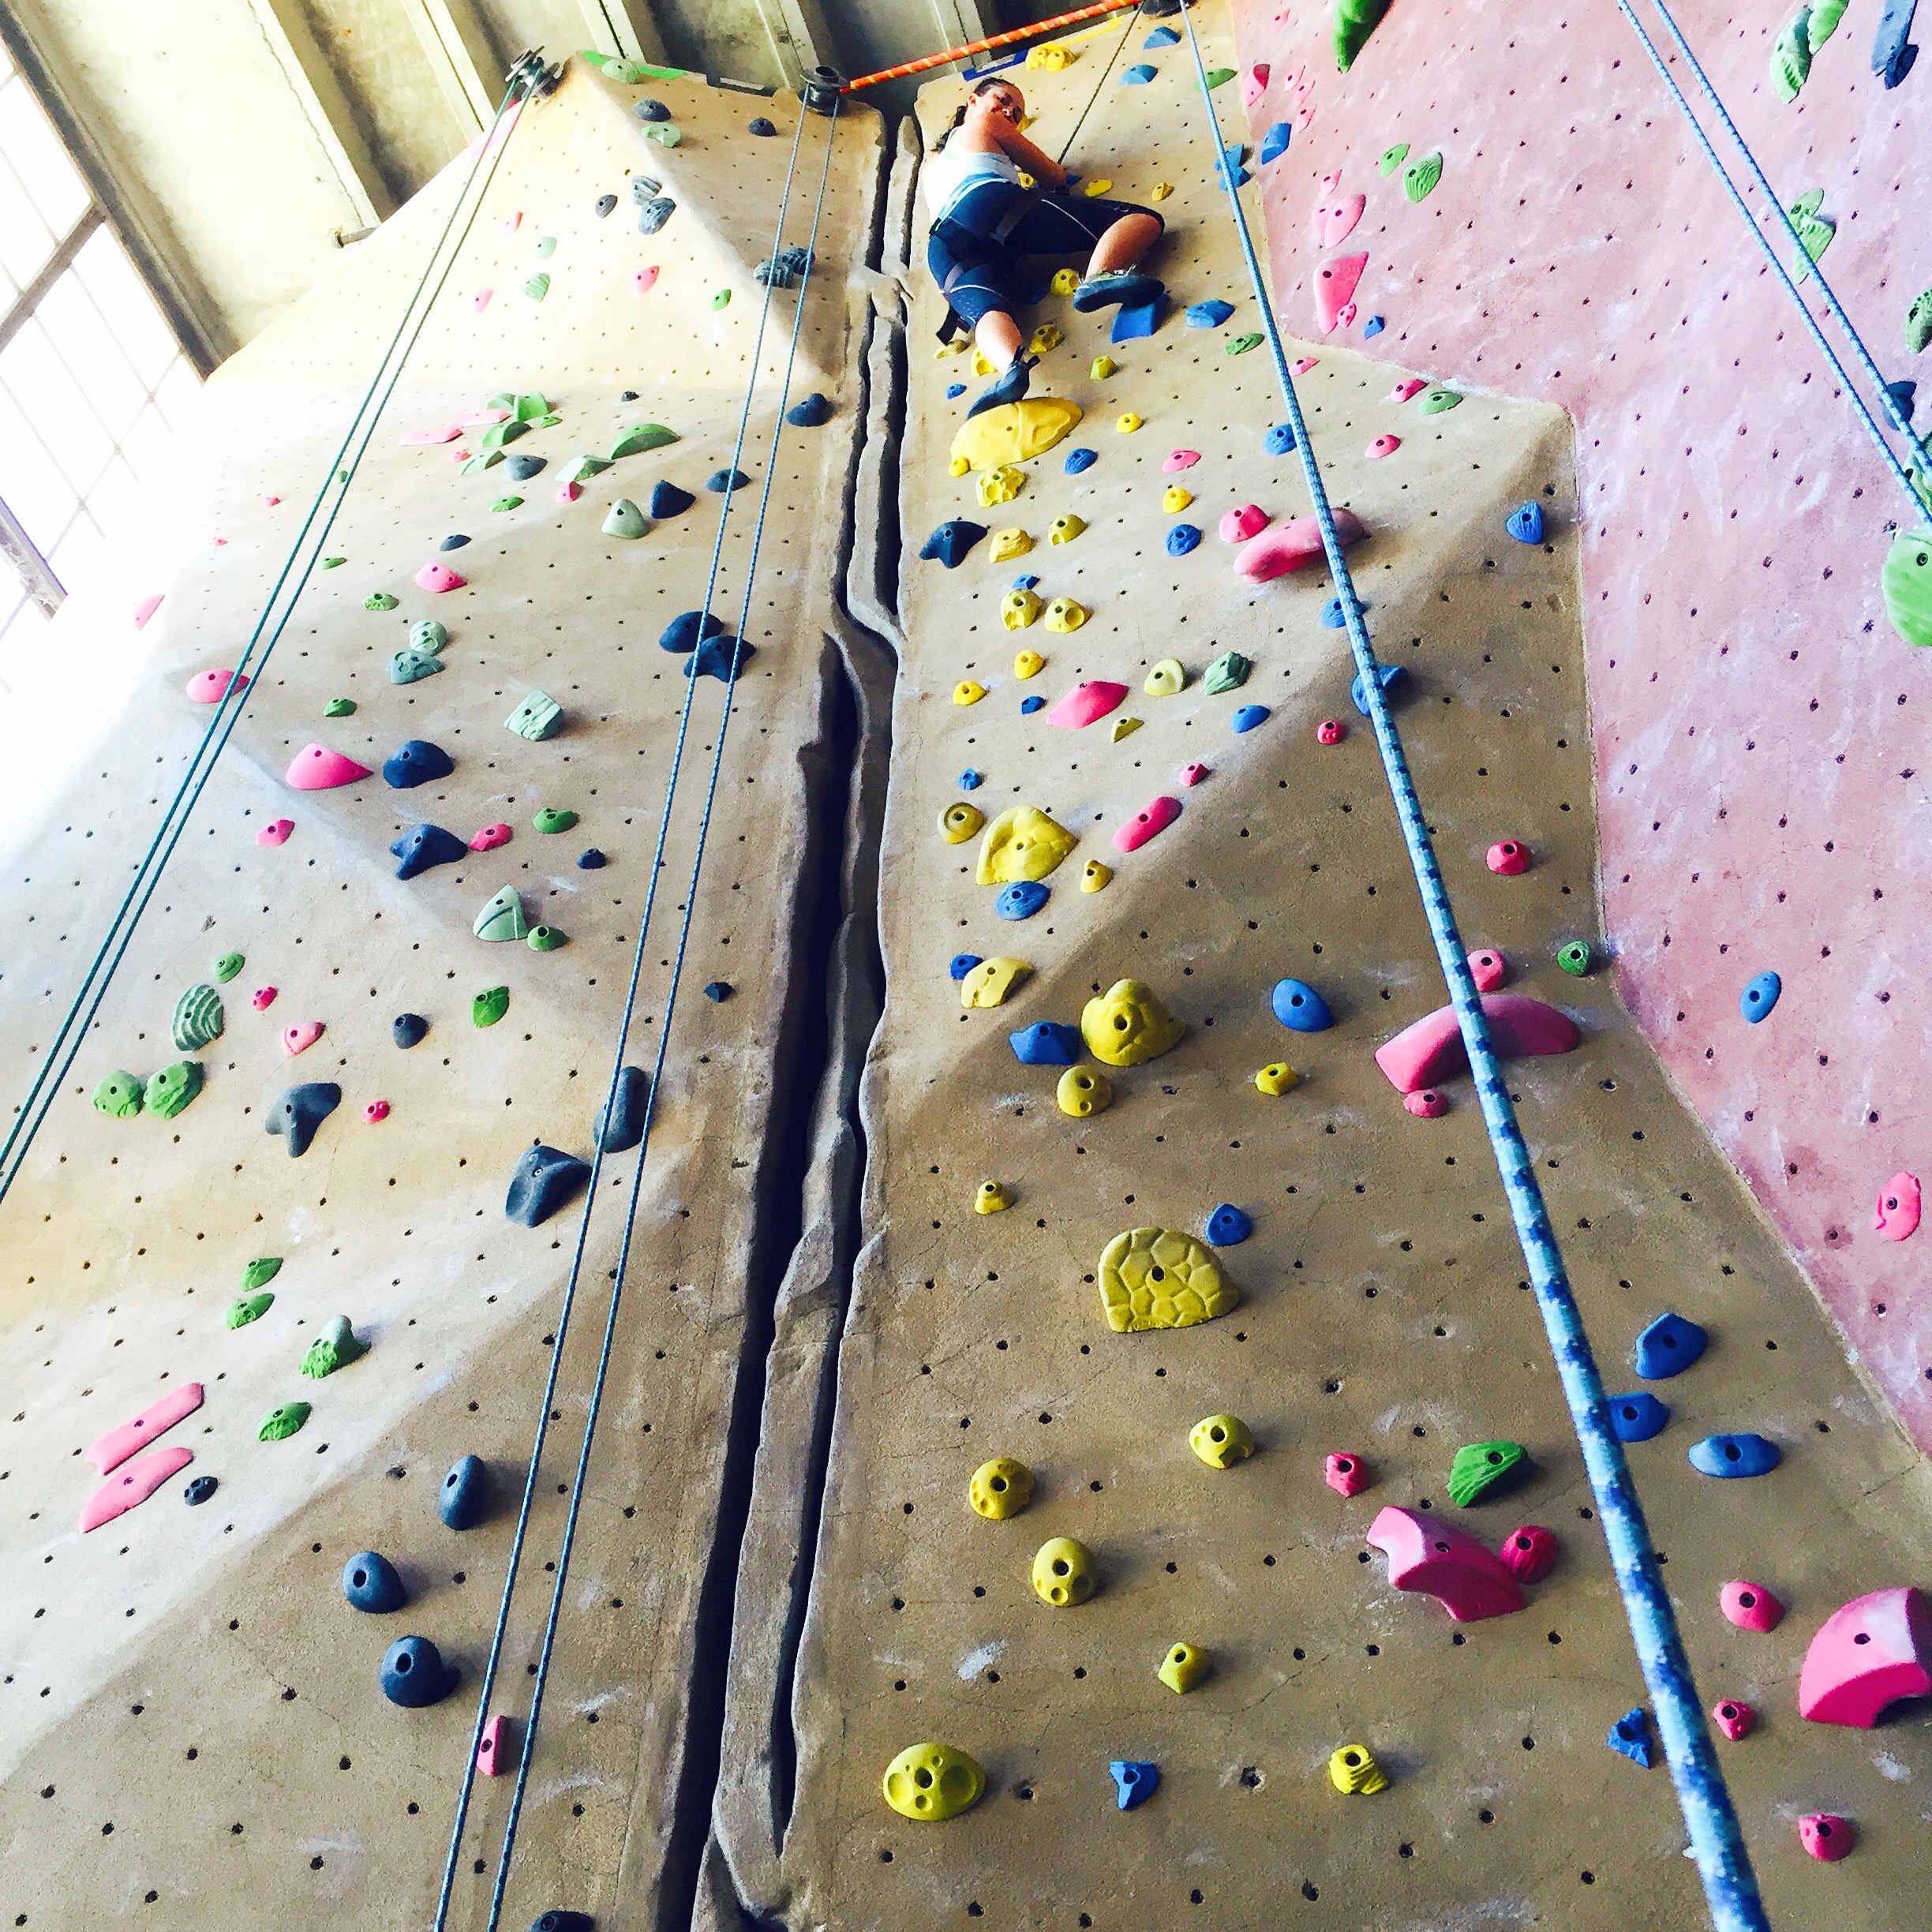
[
  {"x": 644, "y": 281},
  {"x": 1331, "y": 180},
  {"x": 1384, "y": 445},
  {"x": 569, "y": 493},
  {"x": 1347, "y": 1475},
  {"x": 212, "y": 686},
  {"x": 480, "y": 300},
  {"x": 425, "y": 439},
  {"x": 1254, "y": 83},
  {"x": 300, "y": 1037},
  {"x": 135, "y": 1483},
  {"x": 153, "y": 1422},
  {"x": 1428, "y": 1053},
  {"x": 1872, "y": 1650},
  {"x": 1303, "y": 364},
  {"x": 497, "y": 1750},
  {"x": 316, "y": 768},
  {"x": 1409, "y": 385},
  {"x": 1334, "y": 221},
  {"x": 1292, "y": 546},
  {"x": 1346, "y": 318},
  {"x": 1826, "y": 1835},
  {"x": 376, "y": 1110},
  {"x": 1508, "y": 857},
  {"x": 1750, "y": 1606},
  {"x": 1237, "y": 525},
  {"x": 1530, "y": 1553},
  {"x": 482, "y": 418},
  {"x": 1331, "y": 731},
  {"x": 1180, "y": 459},
  {"x": 1429, "y": 1555},
  {"x": 1093, "y": 698},
  {"x": 512, "y": 222},
  {"x": 1150, "y": 822},
  {"x": 268, "y": 503},
  {"x": 1897, "y": 1217},
  {"x": 276, "y": 832},
  {"x": 1488, "y": 968},
  {"x": 1734, "y": 1718},
  {"x": 439, "y": 577},
  {"x": 490, "y": 837},
  {"x": 145, "y": 609},
  {"x": 1427, "y": 1105},
  {"x": 1334, "y": 288},
  {"x": 262, "y": 998},
  {"x": 1193, "y": 773}
]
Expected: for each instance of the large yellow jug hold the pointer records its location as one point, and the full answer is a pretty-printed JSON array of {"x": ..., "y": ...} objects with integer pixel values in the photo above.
[
  {"x": 1022, "y": 843},
  {"x": 1160, "y": 1277},
  {"x": 929, "y": 1782},
  {"x": 1011, "y": 432},
  {"x": 1128, "y": 1024}
]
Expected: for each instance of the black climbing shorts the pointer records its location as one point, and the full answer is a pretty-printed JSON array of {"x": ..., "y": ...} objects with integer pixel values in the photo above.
[{"x": 972, "y": 252}]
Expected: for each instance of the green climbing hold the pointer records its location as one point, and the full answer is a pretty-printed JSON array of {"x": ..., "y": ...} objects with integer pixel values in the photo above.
[
  {"x": 481, "y": 462},
  {"x": 507, "y": 431},
  {"x": 1228, "y": 672},
  {"x": 1354, "y": 22},
  {"x": 1436, "y": 401},
  {"x": 545, "y": 422},
  {"x": 336, "y": 1347},
  {"x": 339, "y": 707},
  {"x": 1824, "y": 22},
  {"x": 580, "y": 467},
  {"x": 378, "y": 601},
  {"x": 555, "y": 819},
  {"x": 625, "y": 519},
  {"x": 1480, "y": 1467},
  {"x": 538, "y": 717},
  {"x": 548, "y": 938},
  {"x": 279, "y": 1424},
  {"x": 120, "y": 1095},
  {"x": 1393, "y": 158},
  {"x": 407, "y": 666},
  {"x": 259, "y": 1272},
  {"x": 488, "y": 1007},
  {"x": 1573, "y": 956},
  {"x": 1791, "y": 56},
  {"x": 1420, "y": 177},
  {"x": 644, "y": 436},
  {"x": 503, "y": 918},
  {"x": 1219, "y": 76},
  {"x": 546, "y": 247},
  {"x": 532, "y": 404},
  {"x": 665, "y": 133},
  {"x": 228, "y": 965},
  {"x": 721, "y": 299},
  {"x": 1239, "y": 344},
  {"x": 197, "y": 1019},
  {"x": 1815, "y": 230},
  {"x": 503, "y": 504},
  {"x": 426, "y": 635},
  {"x": 1919, "y": 323},
  {"x": 170, "y": 1090},
  {"x": 334, "y": 563},
  {"x": 248, "y": 1307},
  {"x": 536, "y": 288},
  {"x": 1906, "y": 581}
]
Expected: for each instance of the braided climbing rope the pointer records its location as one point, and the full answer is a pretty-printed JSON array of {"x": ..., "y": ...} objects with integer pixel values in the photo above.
[
  {"x": 73, "y": 1031},
  {"x": 1716, "y": 1844},
  {"x": 982, "y": 46}
]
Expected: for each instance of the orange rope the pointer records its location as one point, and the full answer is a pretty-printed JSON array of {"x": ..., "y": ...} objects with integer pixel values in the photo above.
[{"x": 981, "y": 47}]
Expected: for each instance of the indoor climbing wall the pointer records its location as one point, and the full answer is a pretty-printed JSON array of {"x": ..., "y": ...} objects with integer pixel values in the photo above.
[
  {"x": 1758, "y": 733},
  {"x": 195, "y": 1734},
  {"x": 1130, "y": 1207}
]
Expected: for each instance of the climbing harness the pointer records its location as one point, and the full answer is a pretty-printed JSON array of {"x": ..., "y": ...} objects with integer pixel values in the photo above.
[
  {"x": 1716, "y": 1844},
  {"x": 525, "y": 78}
]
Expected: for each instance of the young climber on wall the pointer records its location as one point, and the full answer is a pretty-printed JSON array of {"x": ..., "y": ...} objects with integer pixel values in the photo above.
[{"x": 984, "y": 219}]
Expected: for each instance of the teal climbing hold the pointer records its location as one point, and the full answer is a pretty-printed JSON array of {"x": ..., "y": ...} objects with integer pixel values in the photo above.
[
  {"x": 119, "y": 1095},
  {"x": 537, "y": 287},
  {"x": 198, "y": 1018},
  {"x": 503, "y": 918},
  {"x": 336, "y": 1347},
  {"x": 407, "y": 667},
  {"x": 427, "y": 634},
  {"x": 538, "y": 717},
  {"x": 170, "y": 1090}
]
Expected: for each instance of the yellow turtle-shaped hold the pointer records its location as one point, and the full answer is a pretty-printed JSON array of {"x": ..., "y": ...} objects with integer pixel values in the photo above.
[
  {"x": 1001, "y": 485},
  {"x": 1166, "y": 678},
  {"x": 988, "y": 983},
  {"x": 1001, "y": 1488},
  {"x": 1063, "y": 614},
  {"x": 1063, "y": 1572},
  {"x": 1083, "y": 1091},
  {"x": 1221, "y": 1441},
  {"x": 1158, "y": 1277},
  {"x": 1022, "y": 843},
  {"x": 1127, "y": 1025},
  {"x": 1011, "y": 432},
  {"x": 929, "y": 1782},
  {"x": 959, "y": 822},
  {"x": 1010, "y": 543},
  {"x": 1018, "y": 608}
]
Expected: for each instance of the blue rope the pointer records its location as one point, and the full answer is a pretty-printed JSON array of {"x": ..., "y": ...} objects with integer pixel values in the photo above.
[
  {"x": 1901, "y": 421},
  {"x": 1716, "y": 1842}
]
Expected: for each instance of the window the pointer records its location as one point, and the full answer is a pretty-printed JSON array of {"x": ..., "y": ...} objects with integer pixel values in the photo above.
[{"x": 93, "y": 384}]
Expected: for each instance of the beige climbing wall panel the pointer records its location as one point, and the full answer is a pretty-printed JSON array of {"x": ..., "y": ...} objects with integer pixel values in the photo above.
[
  {"x": 192, "y": 1729},
  {"x": 1383, "y": 1308}
]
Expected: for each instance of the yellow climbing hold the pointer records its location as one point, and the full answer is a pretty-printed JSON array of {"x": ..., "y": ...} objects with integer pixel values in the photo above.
[
  {"x": 1184, "y": 1666},
  {"x": 1094, "y": 875},
  {"x": 1022, "y": 843},
  {"x": 1127, "y": 422},
  {"x": 1064, "y": 281},
  {"x": 1050, "y": 57},
  {"x": 1127, "y": 1025},
  {"x": 1083, "y": 1092},
  {"x": 1174, "y": 499},
  {"x": 1159, "y": 192},
  {"x": 928, "y": 1782},
  {"x": 1001, "y": 1488},
  {"x": 1001, "y": 485},
  {"x": 1093, "y": 190},
  {"x": 1102, "y": 367},
  {"x": 1353, "y": 1771},
  {"x": 1065, "y": 528},
  {"x": 981, "y": 365},
  {"x": 1018, "y": 608},
  {"x": 1125, "y": 727},
  {"x": 1028, "y": 663},
  {"x": 1010, "y": 543},
  {"x": 1158, "y": 1277},
  {"x": 1064, "y": 614},
  {"x": 1045, "y": 337},
  {"x": 1277, "y": 1078},
  {"x": 991, "y": 1199},
  {"x": 1166, "y": 678},
  {"x": 1221, "y": 1441},
  {"x": 1012, "y": 431},
  {"x": 967, "y": 691},
  {"x": 959, "y": 822},
  {"x": 988, "y": 983},
  {"x": 956, "y": 346},
  {"x": 958, "y": 466},
  {"x": 1063, "y": 1572}
]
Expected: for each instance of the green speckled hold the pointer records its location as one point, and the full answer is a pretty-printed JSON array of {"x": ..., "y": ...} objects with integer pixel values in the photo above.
[
  {"x": 426, "y": 635},
  {"x": 1575, "y": 957},
  {"x": 406, "y": 667},
  {"x": 1906, "y": 581},
  {"x": 336, "y": 1347},
  {"x": 555, "y": 819},
  {"x": 546, "y": 938},
  {"x": 1393, "y": 158},
  {"x": 536, "y": 288},
  {"x": 644, "y": 436},
  {"x": 1434, "y": 401},
  {"x": 1228, "y": 672},
  {"x": 538, "y": 717},
  {"x": 198, "y": 1019},
  {"x": 120, "y": 1094},
  {"x": 503, "y": 918},
  {"x": 1354, "y": 22},
  {"x": 1919, "y": 323},
  {"x": 248, "y": 1307},
  {"x": 626, "y": 519},
  {"x": 1791, "y": 56},
  {"x": 1239, "y": 344},
  {"x": 1219, "y": 76},
  {"x": 489, "y": 1006},
  {"x": 334, "y": 563},
  {"x": 1481, "y": 1467},
  {"x": 259, "y": 1272},
  {"x": 499, "y": 434},
  {"x": 339, "y": 707},
  {"x": 501, "y": 504},
  {"x": 378, "y": 601},
  {"x": 170, "y": 1090},
  {"x": 546, "y": 247},
  {"x": 1420, "y": 177},
  {"x": 477, "y": 464},
  {"x": 279, "y": 1424},
  {"x": 721, "y": 299},
  {"x": 228, "y": 965}
]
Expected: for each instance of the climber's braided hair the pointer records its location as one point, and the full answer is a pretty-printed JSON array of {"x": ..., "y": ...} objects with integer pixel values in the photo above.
[{"x": 959, "y": 113}]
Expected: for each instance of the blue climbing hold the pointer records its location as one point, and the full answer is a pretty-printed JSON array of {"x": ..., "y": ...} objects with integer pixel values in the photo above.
[
  {"x": 1021, "y": 899},
  {"x": 1079, "y": 459},
  {"x": 1297, "y": 1005},
  {"x": 1231, "y": 172},
  {"x": 1734, "y": 1455},
  {"x": 1227, "y": 1226},
  {"x": 463, "y": 1501},
  {"x": 1630, "y": 1735},
  {"x": 370, "y": 1582},
  {"x": 1280, "y": 439},
  {"x": 1274, "y": 142},
  {"x": 1138, "y": 75},
  {"x": 949, "y": 543},
  {"x": 454, "y": 541},
  {"x": 720, "y": 657},
  {"x": 1388, "y": 676},
  {"x": 650, "y": 110},
  {"x": 719, "y": 481},
  {"x": 1182, "y": 538},
  {"x": 1131, "y": 325},
  {"x": 1760, "y": 996},
  {"x": 1905, "y": 394},
  {"x": 407, "y": 1029},
  {"x": 544, "y": 1180},
  {"x": 1026, "y": 584},
  {"x": 809, "y": 412},
  {"x": 620, "y": 1120},
  {"x": 1247, "y": 717},
  {"x": 1029, "y": 706},
  {"x": 298, "y": 1111},
  {"x": 1526, "y": 522},
  {"x": 1134, "y": 1783},
  {"x": 1209, "y": 314},
  {"x": 416, "y": 763},
  {"x": 1637, "y": 1418},
  {"x": 590, "y": 859},
  {"x": 1047, "y": 1042},
  {"x": 426, "y": 845},
  {"x": 414, "y": 1676},
  {"x": 970, "y": 780},
  {"x": 200, "y": 1490},
  {"x": 955, "y": 389},
  {"x": 1333, "y": 616},
  {"x": 1161, "y": 37},
  {"x": 1667, "y": 1347},
  {"x": 681, "y": 634},
  {"x": 1374, "y": 326},
  {"x": 667, "y": 500},
  {"x": 962, "y": 963},
  {"x": 1892, "y": 55}
]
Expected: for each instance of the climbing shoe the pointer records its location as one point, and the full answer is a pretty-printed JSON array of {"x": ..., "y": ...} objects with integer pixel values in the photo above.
[
  {"x": 1128, "y": 287},
  {"x": 1007, "y": 388}
]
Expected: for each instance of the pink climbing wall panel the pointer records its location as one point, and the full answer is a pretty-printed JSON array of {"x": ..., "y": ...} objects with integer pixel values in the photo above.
[{"x": 1759, "y": 732}]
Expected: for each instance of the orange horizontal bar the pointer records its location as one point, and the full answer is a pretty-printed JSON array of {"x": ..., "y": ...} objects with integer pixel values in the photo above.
[{"x": 982, "y": 46}]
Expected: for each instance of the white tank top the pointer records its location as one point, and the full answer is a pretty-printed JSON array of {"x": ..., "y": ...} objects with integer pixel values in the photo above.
[{"x": 949, "y": 175}]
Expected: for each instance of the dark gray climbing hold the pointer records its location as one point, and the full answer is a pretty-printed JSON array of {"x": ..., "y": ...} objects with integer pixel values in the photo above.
[
  {"x": 455, "y": 540},
  {"x": 416, "y": 763},
  {"x": 546, "y": 1179},
  {"x": 718, "y": 991},
  {"x": 408, "y": 1029},
  {"x": 199, "y": 1491},
  {"x": 1182, "y": 538},
  {"x": 782, "y": 270},
  {"x": 1637, "y": 1418},
  {"x": 1630, "y": 1735},
  {"x": 463, "y": 1501},
  {"x": 720, "y": 480},
  {"x": 521, "y": 469},
  {"x": 642, "y": 187},
  {"x": 604, "y": 204},
  {"x": 298, "y": 1111},
  {"x": 620, "y": 1120},
  {"x": 425, "y": 845},
  {"x": 682, "y": 632},
  {"x": 950, "y": 542},
  {"x": 760, "y": 126},
  {"x": 667, "y": 500},
  {"x": 716, "y": 657},
  {"x": 557, "y": 1919},
  {"x": 370, "y": 1582},
  {"x": 809, "y": 411},
  {"x": 1227, "y": 1226},
  {"x": 1047, "y": 1042},
  {"x": 1390, "y": 676},
  {"x": 650, "y": 110},
  {"x": 1667, "y": 1347},
  {"x": 1280, "y": 439},
  {"x": 654, "y": 214},
  {"x": 629, "y": 396},
  {"x": 1078, "y": 459},
  {"x": 414, "y": 1676},
  {"x": 590, "y": 859}
]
